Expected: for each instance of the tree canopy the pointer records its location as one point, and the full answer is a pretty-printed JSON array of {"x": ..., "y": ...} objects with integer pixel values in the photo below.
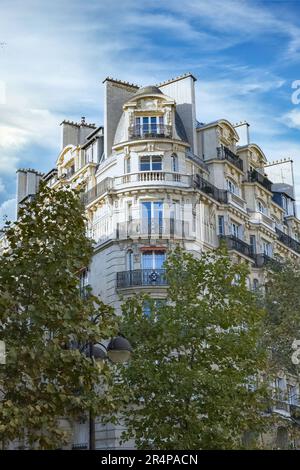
[
  {"x": 193, "y": 381},
  {"x": 46, "y": 324}
]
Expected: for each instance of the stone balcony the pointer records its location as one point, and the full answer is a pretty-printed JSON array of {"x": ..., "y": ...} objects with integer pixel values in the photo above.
[
  {"x": 165, "y": 228},
  {"x": 256, "y": 217},
  {"x": 152, "y": 177},
  {"x": 236, "y": 201}
]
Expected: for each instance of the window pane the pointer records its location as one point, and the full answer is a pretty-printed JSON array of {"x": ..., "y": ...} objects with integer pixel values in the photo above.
[
  {"x": 157, "y": 216},
  {"x": 145, "y": 164},
  {"x": 145, "y": 124},
  {"x": 156, "y": 163},
  {"x": 147, "y": 260},
  {"x": 153, "y": 124},
  {"x": 221, "y": 225},
  {"x": 146, "y": 308},
  {"x": 146, "y": 217},
  {"x": 159, "y": 259}
]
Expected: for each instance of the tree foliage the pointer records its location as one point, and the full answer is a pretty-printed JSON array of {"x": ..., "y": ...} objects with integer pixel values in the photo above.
[
  {"x": 44, "y": 320},
  {"x": 281, "y": 301},
  {"x": 193, "y": 380}
]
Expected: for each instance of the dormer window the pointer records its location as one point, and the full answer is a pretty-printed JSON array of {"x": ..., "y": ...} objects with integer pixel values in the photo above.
[{"x": 149, "y": 125}]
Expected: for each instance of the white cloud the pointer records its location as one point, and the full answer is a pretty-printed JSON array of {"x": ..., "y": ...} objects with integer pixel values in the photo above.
[
  {"x": 7, "y": 211},
  {"x": 292, "y": 119},
  {"x": 239, "y": 100}
]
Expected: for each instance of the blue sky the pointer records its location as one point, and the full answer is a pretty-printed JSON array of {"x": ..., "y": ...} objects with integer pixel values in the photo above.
[{"x": 245, "y": 54}]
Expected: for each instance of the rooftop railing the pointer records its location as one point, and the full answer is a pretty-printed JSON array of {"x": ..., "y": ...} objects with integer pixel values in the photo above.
[
  {"x": 208, "y": 188},
  {"x": 224, "y": 153},
  {"x": 97, "y": 190},
  {"x": 256, "y": 177}
]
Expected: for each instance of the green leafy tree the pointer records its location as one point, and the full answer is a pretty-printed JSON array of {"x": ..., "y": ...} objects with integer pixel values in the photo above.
[
  {"x": 46, "y": 324},
  {"x": 193, "y": 380},
  {"x": 281, "y": 301}
]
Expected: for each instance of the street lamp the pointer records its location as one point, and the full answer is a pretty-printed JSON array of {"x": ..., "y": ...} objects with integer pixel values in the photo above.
[{"x": 118, "y": 351}]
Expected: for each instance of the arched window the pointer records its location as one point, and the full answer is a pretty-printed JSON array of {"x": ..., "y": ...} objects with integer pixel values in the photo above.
[
  {"x": 255, "y": 284},
  {"x": 174, "y": 162},
  {"x": 261, "y": 207},
  {"x": 232, "y": 186}
]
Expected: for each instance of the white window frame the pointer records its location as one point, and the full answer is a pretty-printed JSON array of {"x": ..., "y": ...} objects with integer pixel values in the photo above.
[
  {"x": 232, "y": 187},
  {"x": 151, "y": 162}
]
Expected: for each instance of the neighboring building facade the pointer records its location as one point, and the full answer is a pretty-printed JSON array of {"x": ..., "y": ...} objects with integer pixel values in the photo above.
[{"x": 155, "y": 177}]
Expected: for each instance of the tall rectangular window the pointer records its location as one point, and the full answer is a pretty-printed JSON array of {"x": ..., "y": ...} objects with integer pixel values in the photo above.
[
  {"x": 267, "y": 248},
  {"x": 221, "y": 225},
  {"x": 253, "y": 244},
  {"x": 152, "y": 216},
  {"x": 235, "y": 230}
]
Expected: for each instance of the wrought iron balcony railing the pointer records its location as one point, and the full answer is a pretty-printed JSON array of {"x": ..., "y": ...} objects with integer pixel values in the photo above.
[
  {"x": 261, "y": 259},
  {"x": 141, "y": 277},
  {"x": 208, "y": 188},
  {"x": 224, "y": 153},
  {"x": 84, "y": 291},
  {"x": 256, "y": 177},
  {"x": 234, "y": 243},
  {"x": 145, "y": 131},
  {"x": 97, "y": 190},
  {"x": 288, "y": 241}
]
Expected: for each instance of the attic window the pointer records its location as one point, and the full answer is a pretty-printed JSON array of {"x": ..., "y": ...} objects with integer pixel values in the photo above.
[{"x": 149, "y": 124}]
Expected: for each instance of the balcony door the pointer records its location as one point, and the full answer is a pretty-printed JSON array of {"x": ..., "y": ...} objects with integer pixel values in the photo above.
[
  {"x": 153, "y": 260},
  {"x": 152, "y": 217}
]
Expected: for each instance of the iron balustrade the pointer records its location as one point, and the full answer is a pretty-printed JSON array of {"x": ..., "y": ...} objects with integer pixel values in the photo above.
[
  {"x": 288, "y": 241},
  {"x": 235, "y": 243},
  {"x": 256, "y": 177},
  {"x": 144, "y": 131},
  {"x": 208, "y": 188},
  {"x": 261, "y": 259},
  {"x": 224, "y": 153},
  {"x": 141, "y": 277},
  {"x": 97, "y": 190}
]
